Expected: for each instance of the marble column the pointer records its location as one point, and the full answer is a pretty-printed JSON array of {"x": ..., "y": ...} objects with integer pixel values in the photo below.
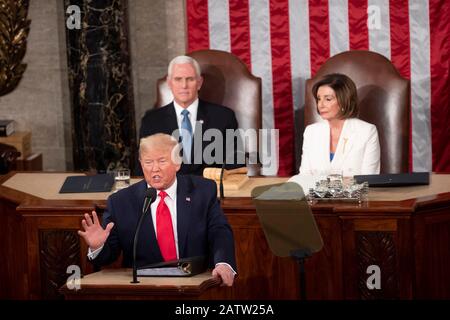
[{"x": 101, "y": 88}]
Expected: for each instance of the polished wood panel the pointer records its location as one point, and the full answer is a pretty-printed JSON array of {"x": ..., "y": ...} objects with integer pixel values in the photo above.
[
  {"x": 58, "y": 249},
  {"x": 32, "y": 163},
  {"x": 409, "y": 240}
]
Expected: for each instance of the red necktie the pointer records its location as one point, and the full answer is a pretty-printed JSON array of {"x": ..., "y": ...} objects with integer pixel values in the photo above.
[{"x": 164, "y": 230}]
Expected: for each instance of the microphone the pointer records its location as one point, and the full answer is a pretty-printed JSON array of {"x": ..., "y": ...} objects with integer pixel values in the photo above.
[{"x": 150, "y": 197}]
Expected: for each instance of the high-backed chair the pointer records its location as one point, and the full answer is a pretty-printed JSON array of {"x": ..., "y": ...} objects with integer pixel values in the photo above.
[
  {"x": 8, "y": 154},
  {"x": 383, "y": 99},
  {"x": 228, "y": 82}
]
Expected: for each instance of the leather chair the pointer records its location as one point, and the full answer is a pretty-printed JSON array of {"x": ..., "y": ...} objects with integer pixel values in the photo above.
[
  {"x": 228, "y": 82},
  {"x": 8, "y": 154},
  {"x": 383, "y": 97}
]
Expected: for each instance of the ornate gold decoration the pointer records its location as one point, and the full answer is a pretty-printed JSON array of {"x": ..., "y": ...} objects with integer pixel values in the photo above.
[{"x": 14, "y": 29}]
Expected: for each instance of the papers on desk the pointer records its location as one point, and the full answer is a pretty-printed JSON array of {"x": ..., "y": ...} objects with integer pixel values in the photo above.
[
  {"x": 162, "y": 272},
  {"x": 177, "y": 268},
  {"x": 81, "y": 184}
]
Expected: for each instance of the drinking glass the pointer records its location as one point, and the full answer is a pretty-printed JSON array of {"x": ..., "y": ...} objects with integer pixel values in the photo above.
[{"x": 122, "y": 179}]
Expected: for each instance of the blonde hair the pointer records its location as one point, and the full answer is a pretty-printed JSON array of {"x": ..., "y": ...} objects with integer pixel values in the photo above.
[{"x": 161, "y": 141}]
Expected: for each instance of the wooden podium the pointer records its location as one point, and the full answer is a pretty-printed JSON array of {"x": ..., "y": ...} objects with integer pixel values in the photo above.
[
  {"x": 114, "y": 284},
  {"x": 405, "y": 231}
]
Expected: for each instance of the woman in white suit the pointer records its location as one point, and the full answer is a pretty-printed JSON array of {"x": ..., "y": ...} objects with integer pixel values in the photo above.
[{"x": 340, "y": 143}]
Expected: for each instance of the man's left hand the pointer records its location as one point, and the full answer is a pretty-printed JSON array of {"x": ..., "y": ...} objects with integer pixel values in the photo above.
[{"x": 225, "y": 273}]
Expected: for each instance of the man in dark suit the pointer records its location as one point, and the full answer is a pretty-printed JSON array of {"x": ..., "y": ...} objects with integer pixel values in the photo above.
[
  {"x": 186, "y": 219},
  {"x": 192, "y": 117}
]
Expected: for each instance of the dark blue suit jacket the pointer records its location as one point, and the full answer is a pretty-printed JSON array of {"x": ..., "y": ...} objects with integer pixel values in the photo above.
[
  {"x": 202, "y": 227},
  {"x": 213, "y": 116}
]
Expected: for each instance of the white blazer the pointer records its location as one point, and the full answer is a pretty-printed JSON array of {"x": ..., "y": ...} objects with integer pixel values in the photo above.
[{"x": 357, "y": 152}]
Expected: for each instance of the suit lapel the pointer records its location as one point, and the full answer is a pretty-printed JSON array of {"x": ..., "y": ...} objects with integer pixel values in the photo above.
[
  {"x": 324, "y": 149},
  {"x": 148, "y": 242},
  {"x": 201, "y": 125},
  {"x": 184, "y": 198},
  {"x": 345, "y": 143},
  {"x": 202, "y": 116},
  {"x": 171, "y": 120},
  {"x": 139, "y": 198}
]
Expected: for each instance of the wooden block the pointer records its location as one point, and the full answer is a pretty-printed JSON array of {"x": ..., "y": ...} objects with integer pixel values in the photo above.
[
  {"x": 234, "y": 182},
  {"x": 21, "y": 140},
  {"x": 32, "y": 163}
]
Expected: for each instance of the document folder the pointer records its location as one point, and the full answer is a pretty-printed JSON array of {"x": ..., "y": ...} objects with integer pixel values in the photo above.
[
  {"x": 395, "y": 179},
  {"x": 82, "y": 184},
  {"x": 186, "y": 267}
]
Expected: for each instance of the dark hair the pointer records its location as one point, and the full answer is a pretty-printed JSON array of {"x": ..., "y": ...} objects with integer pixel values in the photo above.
[{"x": 345, "y": 90}]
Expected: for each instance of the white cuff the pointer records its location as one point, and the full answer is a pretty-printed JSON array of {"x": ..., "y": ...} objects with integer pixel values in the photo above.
[
  {"x": 93, "y": 254},
  {"x": 234, "y": 272}
]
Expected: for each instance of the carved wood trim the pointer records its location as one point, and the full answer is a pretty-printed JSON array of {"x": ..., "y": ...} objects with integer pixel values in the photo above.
[
  {"x": 14, "y": 29},
  {"x": 377, "y": 248},
  {"x": 57, "y": 250}
]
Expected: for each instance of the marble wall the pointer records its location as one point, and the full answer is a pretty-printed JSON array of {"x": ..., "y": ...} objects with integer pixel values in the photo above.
[
  {"x": 157, "y": 34},
  {"x": 41, "y": 103},
  {"x": 101, "y": 86}
]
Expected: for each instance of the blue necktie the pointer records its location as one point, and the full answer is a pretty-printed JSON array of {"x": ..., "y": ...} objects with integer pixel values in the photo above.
[{"x": 186, "y": 135}]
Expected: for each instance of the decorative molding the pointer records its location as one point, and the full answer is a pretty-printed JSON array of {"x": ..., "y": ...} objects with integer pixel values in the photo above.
[
  {"x": 57, "y": 250},
  {"x": 14, "y": 29},
  {"x": 377, "y": 248}
]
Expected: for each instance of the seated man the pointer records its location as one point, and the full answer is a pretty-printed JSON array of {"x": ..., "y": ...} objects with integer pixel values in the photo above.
[
  {"x": 186, "y": 219},
  {"x": 192, "y": 117}
]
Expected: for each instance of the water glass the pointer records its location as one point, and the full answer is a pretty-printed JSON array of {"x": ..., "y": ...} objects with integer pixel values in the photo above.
[{"x": 121, "y": 178}]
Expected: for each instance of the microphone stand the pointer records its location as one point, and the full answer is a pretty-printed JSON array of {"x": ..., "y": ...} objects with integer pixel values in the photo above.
[
  {"x": 150, "y": 196},
  {"x": 221, "y": 193},
  {"x": 300, "y": 255}
]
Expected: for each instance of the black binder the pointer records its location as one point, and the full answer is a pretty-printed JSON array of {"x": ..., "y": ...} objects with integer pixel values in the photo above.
[
  {"x": 395, "y": 179},
  {"x": 82, "y": 184},
  {"x": 186, "y": 267}
]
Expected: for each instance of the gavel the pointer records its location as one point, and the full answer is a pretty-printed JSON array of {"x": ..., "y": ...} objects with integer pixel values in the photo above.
[{"x": 214, "y": 173}]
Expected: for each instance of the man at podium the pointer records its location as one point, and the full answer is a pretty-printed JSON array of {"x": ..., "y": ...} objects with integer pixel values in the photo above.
[{"x": 184, "y": 221}]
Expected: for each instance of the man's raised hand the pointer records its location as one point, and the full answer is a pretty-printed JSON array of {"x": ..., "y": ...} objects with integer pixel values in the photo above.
[{"x": 94, "y": 235}]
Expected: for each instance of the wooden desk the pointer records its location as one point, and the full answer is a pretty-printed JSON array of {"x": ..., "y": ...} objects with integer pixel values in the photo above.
[
  {"x": 405, "y": 231},
  {"x": 114, "y": 284}
]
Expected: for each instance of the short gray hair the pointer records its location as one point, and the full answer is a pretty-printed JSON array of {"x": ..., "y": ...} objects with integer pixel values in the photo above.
[
  {"x": 161, "y": 141},
  {"x": 183, "y": 60}
]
